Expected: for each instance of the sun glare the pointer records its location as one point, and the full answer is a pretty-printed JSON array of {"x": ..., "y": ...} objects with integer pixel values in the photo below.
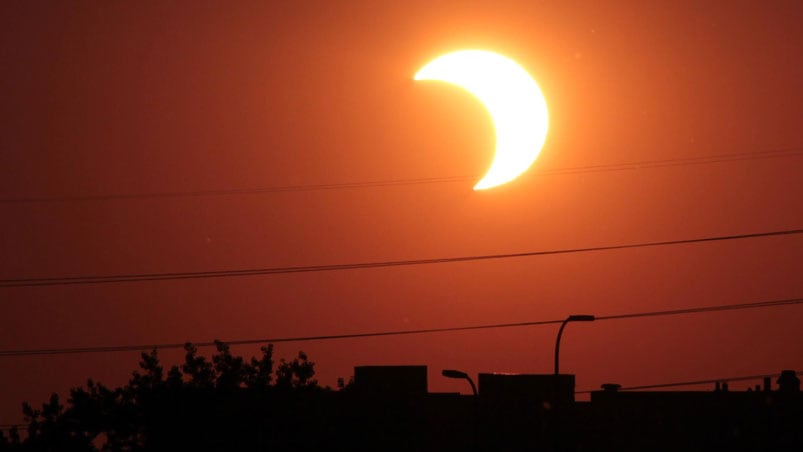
[{"x": 513, "y": 100}]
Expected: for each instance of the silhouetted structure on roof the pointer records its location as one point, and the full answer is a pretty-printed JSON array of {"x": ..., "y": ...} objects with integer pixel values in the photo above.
[
  {"x": 696, "y": 420},
  {"x": 538, "y": 412}
]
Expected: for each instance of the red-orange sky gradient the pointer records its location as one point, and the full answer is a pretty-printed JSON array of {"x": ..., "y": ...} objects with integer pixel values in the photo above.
[{"x": 106, "y": 98}]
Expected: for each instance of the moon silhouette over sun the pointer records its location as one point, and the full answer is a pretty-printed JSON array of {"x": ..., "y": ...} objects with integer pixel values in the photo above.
[{"x": 512, "y": 98}]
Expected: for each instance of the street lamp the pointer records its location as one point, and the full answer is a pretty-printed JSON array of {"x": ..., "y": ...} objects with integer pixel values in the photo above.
[
  {"x": 571, "y": 318},
  {"x": 450, "y": 373}
]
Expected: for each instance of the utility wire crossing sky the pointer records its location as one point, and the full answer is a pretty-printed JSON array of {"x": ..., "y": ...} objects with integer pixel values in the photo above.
[
  {"x": 125, "y": 348},
  {"x": 71, "y": 280},
  {"x": 718, "y": 158}
]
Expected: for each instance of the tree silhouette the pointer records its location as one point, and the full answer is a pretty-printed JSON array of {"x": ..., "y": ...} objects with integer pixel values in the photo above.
[
  {"x": 259, "y": 374},
  {"x": 200, "y": 371},
  {"x": 13, "y": 440},
  {"x": 154, "y": 410},
  {"x": 296, "y": 374}
]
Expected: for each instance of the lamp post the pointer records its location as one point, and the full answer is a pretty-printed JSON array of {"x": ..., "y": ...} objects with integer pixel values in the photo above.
[
  {"x": 571, "y": 318},
  {"x": 450, "y": 373},
  {"x": 475, "y": 431}
]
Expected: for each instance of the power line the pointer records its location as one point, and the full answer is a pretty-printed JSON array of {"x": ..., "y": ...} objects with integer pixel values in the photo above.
[
  {"x": 175, "y": 345},
  {"x": 691, "y": 383},
  {"x": 728, "y": 307},
  {"x": 717, "y": 158},
  {"x": 697, "y": 382},
  {"x": 139, "y": 277},
  {"x": 239, "y": 191}
]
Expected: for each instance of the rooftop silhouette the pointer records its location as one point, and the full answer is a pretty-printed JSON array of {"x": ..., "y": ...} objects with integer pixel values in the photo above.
[{"x": 230, "y": 403}]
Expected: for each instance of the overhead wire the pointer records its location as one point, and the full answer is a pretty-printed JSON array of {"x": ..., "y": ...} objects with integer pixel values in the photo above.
[
  {"x": 397, "y": 182},
  {"x": 139, "y": 277},
  {"x": 279, "y": 270},
  {"x": 681, "y": 161},
  {"x": 176, "y": 345},
  {"x": 703, "y": 309},
  {"x": 691, "y": 382},
  {"x": 716, "y": 158}
]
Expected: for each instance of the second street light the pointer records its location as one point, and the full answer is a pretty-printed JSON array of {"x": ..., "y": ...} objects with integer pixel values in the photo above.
[{"x": 571, "y": 318}]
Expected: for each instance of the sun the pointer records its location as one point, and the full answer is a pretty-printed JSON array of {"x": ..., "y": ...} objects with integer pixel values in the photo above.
[{"x": 513, "y": 99}]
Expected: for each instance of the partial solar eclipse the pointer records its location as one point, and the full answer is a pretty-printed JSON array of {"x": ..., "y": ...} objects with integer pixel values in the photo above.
[{"x": 512, "y": 98}]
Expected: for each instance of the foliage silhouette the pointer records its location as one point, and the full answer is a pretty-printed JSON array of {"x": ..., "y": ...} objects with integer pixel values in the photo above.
[
  {"x": 156, "y": 410},
  {"x": 296, "y": 374}
]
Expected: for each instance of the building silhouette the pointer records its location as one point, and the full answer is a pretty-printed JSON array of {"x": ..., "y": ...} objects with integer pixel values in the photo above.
[{"x": 389, "y": 408}]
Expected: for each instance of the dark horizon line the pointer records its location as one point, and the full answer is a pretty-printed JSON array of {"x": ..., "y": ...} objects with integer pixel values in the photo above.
[{"x": 629, "y": 388}]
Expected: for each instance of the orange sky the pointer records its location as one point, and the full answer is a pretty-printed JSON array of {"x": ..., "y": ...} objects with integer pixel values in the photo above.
[{"x": 124, "y": 98}]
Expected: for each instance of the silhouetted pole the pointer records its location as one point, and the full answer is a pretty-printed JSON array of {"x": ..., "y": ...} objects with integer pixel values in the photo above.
[
  {"x": 475, "y": 430},
  {"x": 571, "y": 318}
]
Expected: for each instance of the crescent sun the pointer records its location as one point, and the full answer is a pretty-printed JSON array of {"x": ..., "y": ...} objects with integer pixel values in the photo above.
[{"x": 514, "y": 101}]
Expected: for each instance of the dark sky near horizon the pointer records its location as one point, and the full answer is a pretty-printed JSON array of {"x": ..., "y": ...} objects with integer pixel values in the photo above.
[{"x": 118, "y": 98}]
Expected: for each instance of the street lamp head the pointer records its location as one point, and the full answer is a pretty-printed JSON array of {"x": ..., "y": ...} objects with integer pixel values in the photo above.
[
  {"x": 450, "y": 373},
  {"x": 581, "y": 318},
  {"x": 571, "y": 318}
]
